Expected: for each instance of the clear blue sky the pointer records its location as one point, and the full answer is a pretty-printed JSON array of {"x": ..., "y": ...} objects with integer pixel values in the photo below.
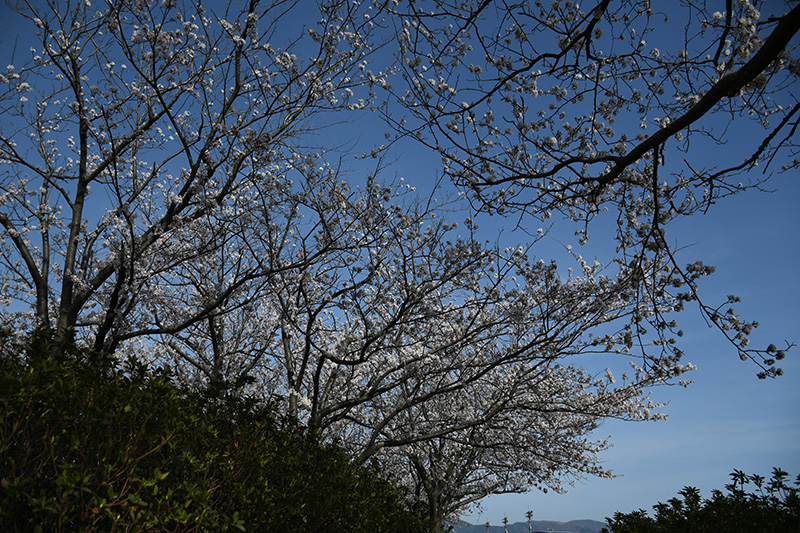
[{"x": 727, "y": 419}]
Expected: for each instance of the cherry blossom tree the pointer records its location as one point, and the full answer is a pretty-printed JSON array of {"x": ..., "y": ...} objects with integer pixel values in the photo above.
[
  {"x": 409, "y": 334},
  {"x": 510, "y": 413},
  {"x": 138, "y": 137},
  {"x": 539, "y": 434},
  {"x": 579, "y": 108}
]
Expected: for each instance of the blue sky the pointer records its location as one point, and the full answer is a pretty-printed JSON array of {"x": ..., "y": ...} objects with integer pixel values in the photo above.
[{"x": 727, "y": 419}]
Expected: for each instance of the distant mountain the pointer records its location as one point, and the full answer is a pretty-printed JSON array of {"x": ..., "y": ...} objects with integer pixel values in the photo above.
[{"x": 573, "y": 526}]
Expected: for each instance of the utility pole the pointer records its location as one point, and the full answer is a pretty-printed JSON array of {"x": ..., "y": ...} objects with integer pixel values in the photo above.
[
  {"x": 505, "y": 524},
  {"x": 529, "y": 514},
  {"x": 487, "y": 526}
]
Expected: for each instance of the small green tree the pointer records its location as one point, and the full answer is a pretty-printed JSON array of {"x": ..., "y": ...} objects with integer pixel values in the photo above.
[
  {"x": 89, "y": 444},
  {"x": 773, "y": 506}
]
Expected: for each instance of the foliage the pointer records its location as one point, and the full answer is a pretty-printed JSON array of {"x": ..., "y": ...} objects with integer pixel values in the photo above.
[
  {"x": 773, "y": 506},
  {"x": 89, "y": 444}
]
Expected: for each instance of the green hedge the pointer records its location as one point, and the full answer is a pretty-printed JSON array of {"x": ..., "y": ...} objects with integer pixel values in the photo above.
[
  {"x": 89, "y": 444},
  {"x": 772, "y": 507}
]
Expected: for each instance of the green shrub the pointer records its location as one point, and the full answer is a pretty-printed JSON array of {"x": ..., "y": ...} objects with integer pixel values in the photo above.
[
  {"x": 89, "y": 444},
  {"x": 773, "y": 507}
]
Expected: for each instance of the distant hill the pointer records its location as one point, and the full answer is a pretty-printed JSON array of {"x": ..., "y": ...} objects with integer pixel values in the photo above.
[{"x": 573, "y": 526}]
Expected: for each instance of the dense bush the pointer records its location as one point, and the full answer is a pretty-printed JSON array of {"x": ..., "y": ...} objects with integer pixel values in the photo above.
[
  {"x": 89, "y": 444},
  {"x": 773, "y": 507}
]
